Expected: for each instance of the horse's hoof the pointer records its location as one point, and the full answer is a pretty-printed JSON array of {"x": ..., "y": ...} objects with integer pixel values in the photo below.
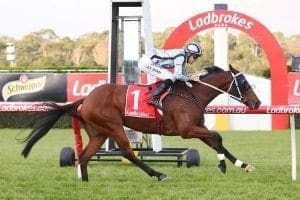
[
  {"x": 222, "y": 166},
  {"x": 250, "y": 168},
  {"x": 222, "y": 169},
  {"x": 162, "y": 177}
]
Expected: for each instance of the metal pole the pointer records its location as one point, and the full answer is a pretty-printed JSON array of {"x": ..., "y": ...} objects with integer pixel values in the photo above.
[
  {"x": 293, "y": 147},
  {"x": 113, "y": 62}
]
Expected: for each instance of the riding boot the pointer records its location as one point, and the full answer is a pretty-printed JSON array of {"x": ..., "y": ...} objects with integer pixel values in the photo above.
[{"x": 155, "y": 94}]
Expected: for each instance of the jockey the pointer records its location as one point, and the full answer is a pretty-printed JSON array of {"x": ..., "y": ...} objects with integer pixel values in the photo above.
[{"x": 162, "y": 60}]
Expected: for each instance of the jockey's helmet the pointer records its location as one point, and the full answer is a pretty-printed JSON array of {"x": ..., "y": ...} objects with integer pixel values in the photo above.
[{"x": 194, "y": 49}]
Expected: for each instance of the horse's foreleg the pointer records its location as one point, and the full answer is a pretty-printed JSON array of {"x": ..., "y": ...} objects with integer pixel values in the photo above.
[
  {"x": 212, "y": 139},
  {"x": 237, "y": 162},
  {"x": 223, "y": 152},
  {"x": 216, "y": 142}
]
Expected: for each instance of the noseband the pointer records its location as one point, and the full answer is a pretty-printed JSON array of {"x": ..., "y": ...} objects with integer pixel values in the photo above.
[{"x": 238, "y": 86}]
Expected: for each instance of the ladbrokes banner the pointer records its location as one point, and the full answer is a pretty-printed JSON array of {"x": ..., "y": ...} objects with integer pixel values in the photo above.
[
  {"x": 294, "y": 88},
  {"x": 79, "y": 85},
  {"x": 33, "y": 87}
]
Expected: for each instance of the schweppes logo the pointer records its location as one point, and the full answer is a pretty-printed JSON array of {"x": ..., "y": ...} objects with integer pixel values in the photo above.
[{"x": 23, "y": 86}]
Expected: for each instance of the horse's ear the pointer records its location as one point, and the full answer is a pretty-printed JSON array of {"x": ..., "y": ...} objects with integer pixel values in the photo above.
[{"x": 231, "y": 68}]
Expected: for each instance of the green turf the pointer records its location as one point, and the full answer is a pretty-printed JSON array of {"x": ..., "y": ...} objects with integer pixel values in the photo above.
[{"x": 40, "y": 177}]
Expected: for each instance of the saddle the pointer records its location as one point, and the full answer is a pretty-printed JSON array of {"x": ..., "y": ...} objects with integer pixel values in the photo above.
[{"x": 136, "y": 101}]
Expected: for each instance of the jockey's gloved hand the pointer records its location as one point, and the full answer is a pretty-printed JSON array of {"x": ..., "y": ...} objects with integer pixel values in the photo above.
[{"x": 190, "y": 85}]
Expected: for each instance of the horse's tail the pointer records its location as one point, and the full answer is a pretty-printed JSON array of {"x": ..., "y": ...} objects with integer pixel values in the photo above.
[{"x": 45, "y": 121}]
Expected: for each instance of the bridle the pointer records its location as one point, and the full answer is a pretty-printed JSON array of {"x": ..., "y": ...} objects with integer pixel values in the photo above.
[{"x": 235, "y": 89}]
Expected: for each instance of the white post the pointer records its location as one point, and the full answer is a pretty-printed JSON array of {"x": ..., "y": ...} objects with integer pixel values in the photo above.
[
  {"x": 221, "y": 39},
  {"x": 79, "y": 175},
  {"x": 221, "y": 48},
  {"x": 147, "y": 28},
  {"x": 221, "y": 60},
  {"x": 109, "y": 41},
  {"x": 148, "y": 36},
  {"x": 293, "y": 147},
  {"x": 156, "y": 139}
]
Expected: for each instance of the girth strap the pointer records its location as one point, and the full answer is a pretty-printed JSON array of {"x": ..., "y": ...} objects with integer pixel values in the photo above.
[{"x": 159, "y": 121}]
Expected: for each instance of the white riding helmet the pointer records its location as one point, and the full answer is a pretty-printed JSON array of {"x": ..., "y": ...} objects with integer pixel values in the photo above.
[{"x": 193, "y": 48}]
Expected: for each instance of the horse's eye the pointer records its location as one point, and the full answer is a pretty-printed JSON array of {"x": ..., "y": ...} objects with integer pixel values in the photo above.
[{"x": 244, "y": 83}]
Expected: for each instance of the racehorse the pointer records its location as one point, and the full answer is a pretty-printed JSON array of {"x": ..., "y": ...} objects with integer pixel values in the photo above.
[{"x": 102, "y": 115}]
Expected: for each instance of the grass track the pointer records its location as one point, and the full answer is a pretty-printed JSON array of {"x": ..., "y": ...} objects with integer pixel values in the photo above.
[{"x": 40, "y": 177}]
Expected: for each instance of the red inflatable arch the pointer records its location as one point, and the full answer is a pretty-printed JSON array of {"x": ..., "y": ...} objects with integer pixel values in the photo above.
[{"x": 248, "y": 25}]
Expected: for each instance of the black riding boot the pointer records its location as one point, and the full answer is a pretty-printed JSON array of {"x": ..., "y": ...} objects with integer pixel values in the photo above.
[{"x": 154, "y": 99}]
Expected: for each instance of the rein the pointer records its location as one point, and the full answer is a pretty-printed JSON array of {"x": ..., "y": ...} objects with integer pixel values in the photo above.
[
  {"x": 194, "y": 99},
  {"x": 191, "y": 98}
]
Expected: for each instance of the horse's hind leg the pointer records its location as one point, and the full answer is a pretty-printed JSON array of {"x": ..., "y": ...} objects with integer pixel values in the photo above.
[
  {"x": 124, "y": 145},
  {"x": 96, "y": 140}
]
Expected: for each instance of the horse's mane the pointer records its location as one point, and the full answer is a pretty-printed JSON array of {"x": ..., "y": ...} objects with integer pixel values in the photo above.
[
  {"x": 213, "y": 69},
  {"x": 207, "y": 71}
]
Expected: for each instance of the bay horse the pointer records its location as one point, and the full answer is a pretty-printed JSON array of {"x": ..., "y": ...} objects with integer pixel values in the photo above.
[{"x": 102, "y": 115}]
